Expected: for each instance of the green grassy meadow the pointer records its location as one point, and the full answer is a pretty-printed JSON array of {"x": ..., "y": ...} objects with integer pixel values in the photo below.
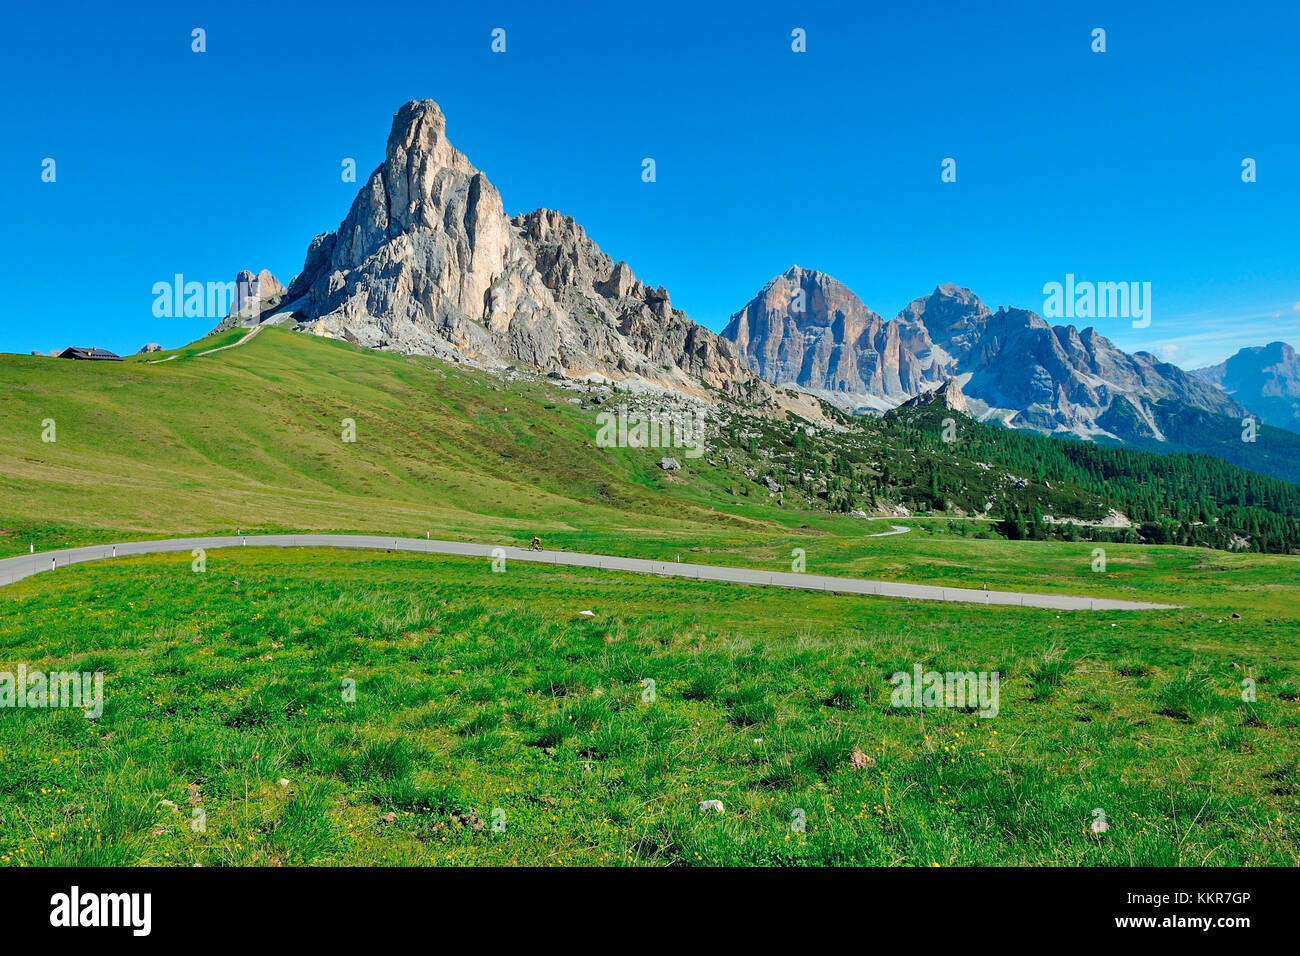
[
  {"x": 251, "y": 438},
  {"x": 482, "y": 696},
  {"x": 493, "y": 724}
]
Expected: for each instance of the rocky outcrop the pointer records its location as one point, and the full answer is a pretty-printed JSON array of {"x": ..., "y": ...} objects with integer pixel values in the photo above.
[
  {"x": 1265, "y": 379},
  {"x": 256, "y": 296},
  {"x": 948, "y": 395},
  {"x": 427, "y": 261}
]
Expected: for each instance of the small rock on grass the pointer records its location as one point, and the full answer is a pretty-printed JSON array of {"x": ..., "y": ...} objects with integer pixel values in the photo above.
[
  {"x": 714, "y": 805},
  {"x": 860, "y": 760}
]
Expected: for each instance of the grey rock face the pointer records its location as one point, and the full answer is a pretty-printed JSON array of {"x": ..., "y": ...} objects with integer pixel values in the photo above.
[
  {"x": 617, "y": 320},
  {"x": 807, "y": 329},
  {"x": 427, "y": 261},
  {"x": 256, "y": 297},
  {"x": 1053, "y": 378}
]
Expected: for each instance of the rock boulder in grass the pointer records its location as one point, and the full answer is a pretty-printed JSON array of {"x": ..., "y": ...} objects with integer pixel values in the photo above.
[{"x": 860, "y": 760}]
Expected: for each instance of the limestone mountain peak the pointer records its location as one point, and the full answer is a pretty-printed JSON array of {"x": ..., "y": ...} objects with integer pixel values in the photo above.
[{"x": 427, "y": 261}]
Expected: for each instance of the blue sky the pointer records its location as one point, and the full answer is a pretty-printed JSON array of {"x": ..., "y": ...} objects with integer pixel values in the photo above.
[{"x": 1122, "y": 166}]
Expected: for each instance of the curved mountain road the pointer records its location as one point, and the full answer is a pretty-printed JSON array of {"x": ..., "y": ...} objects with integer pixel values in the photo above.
[
  {"x": 898, "y": 529},
  {"x": 26, "y": 565}
]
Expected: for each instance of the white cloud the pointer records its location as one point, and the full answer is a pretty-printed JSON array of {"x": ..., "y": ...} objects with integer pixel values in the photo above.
[{"x": 1207, "y": 340}]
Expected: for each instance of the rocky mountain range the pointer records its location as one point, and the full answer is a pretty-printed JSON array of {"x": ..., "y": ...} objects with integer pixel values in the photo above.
[
  {"x": 808, "y": 330},
  {"x": 427, "y": 261},
  {"x": 1265, "y": 378}
]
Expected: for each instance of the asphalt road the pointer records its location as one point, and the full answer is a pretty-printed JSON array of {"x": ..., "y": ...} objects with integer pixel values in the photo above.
[
  {"x": 25, "y": 565},
  {"x": 898, "y": 529}
]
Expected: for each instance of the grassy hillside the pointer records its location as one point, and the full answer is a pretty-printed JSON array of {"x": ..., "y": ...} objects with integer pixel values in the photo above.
[
  {"x": 252, "y": 437},
  {"x": 480, "y": 692}
]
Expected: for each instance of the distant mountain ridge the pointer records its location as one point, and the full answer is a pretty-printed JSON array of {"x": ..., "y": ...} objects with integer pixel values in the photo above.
[
  {"x": 1264, "y": 378},
  {"x": 1011, "y": 365}
]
